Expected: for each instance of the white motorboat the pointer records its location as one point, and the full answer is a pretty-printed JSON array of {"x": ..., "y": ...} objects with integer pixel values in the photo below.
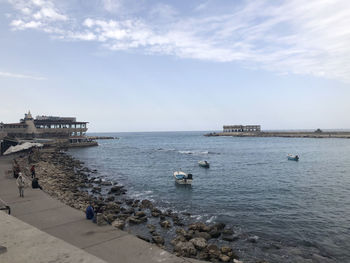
[
  {"x": 183, "y": 178},
  {"x": 204, "y": 164},
  {"x": 292, "y": 157}
]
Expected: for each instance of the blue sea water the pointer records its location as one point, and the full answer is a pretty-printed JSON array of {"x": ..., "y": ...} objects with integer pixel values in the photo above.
[{"x": 304, "y": 206}]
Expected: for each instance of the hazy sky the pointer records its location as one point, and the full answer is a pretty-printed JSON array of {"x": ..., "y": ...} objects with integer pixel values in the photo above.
[{"x": 137, "y": 65}]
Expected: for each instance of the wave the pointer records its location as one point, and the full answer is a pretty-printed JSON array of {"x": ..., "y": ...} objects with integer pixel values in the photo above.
[
  {"x": 142, "y": 195},
  {"x": 166, "y": 150},
  {"x": 194, "y": 152}
]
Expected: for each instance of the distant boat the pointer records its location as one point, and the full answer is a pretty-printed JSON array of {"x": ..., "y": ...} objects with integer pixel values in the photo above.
[
  {"x": 183, "y": 178},
  {"x": 292, "y": 157},
  {"x": 204, "y": 164}
]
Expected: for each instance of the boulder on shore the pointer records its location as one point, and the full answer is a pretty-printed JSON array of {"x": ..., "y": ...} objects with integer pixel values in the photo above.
[
  {"x": 165, "y": 224},
  {"x": 185, "y": 249},
  {"x": 158, "y": 240},
  {"x": 118, "y": 223},
  {"x": 199, "y": 242}
]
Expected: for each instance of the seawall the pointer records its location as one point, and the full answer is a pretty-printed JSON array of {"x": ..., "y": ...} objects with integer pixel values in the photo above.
[{"x": 344, "y": 135}]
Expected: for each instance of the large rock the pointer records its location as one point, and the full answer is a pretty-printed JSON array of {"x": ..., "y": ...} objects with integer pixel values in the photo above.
[
  {"x": 110, "y": 218},
  {"x": 156, "y": 212},
  {"x": 189, "y": 234},
  {"x": 177, "y": 239},
  {"x": 118, "y": 223},
  {"x": 135, "y": 203},
  {"x": 181, "y": 231},
  {"x": 117, "y": 190},
  {"x": 219, "y": 226},
  {"x": 203, "y": 255},
  {"x": 204, "y": 235},
  {"x": 100, "y": 219},
  {"x": 110, "y": 198},
  {"x": 140, "y": 214},
  {"x": 136, "y": 220},
  {"x": 158, "y": 240},
  {"x": 213, "y": 251},
  {"x": 199, "y": 242},
  {"x": 224, "y": 258},
  {"x": 185, "y": 249},
  {"x": 146, "y": 204},
  {"x": 214, "y": 232},
  {"x": 225, "y": 250},
  {"x": 199, "y": 226},
  {"x": 165, "y": 224}
]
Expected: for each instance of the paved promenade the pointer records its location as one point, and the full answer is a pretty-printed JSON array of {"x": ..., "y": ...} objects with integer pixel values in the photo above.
[{"x": 67, "y": 224}]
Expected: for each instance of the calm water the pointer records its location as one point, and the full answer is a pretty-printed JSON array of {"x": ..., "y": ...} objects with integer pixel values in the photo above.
[{"x": 250, "y": 184}]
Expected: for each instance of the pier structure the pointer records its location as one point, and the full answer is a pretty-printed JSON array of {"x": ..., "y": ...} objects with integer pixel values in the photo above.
[
  {"x": 45, "y": 127},
  {"x": 241, "y": 128},
  {"x": 65, "y": 131}
]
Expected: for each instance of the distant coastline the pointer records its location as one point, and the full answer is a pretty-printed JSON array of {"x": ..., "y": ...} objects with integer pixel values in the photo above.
[{"x": 286, "y": 134}]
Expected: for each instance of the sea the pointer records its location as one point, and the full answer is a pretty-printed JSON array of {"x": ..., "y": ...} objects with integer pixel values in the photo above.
[{"x": 299, "y": 210}]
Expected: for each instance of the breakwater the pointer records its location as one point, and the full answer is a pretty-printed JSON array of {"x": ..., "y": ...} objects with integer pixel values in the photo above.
[{"x": 344, "y": 135}]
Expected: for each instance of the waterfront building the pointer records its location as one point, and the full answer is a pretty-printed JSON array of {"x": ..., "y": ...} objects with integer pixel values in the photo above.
[
  {"x": 45, "y": 127},
  {"x": 242, "y": 128},
  {"x": 65, "y": 131}
]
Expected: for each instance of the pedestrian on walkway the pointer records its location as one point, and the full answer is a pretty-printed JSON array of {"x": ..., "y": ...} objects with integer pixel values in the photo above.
[
  {"x": 32, "y": 170},
  {"x": 35, "y": 183},
  {"x": 21, "y": 182},
  {"x": 16, "y": 169},
  {"x": 90, "y": 212}
]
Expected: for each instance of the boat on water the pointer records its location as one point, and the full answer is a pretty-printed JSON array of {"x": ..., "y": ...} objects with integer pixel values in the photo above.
[
  {"x": 204, "y": 164},
  {"x": 292, "y": 157},
  {"x": 183, "y": 178}
]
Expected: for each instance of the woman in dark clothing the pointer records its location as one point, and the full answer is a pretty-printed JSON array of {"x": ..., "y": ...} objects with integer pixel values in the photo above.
[
  {"x": 35, "y": 184},
  {"x": 90, "y": 212},
  {"x": 32, "y": 170}
]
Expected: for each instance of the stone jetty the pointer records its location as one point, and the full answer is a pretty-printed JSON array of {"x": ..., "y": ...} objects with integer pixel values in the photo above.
[{"x": 285, "y": 134}]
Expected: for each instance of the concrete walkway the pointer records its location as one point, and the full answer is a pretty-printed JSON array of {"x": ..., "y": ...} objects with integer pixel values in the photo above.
[
  {"x": 25, "y": 243},
  {"x": 68, "y": 224}
]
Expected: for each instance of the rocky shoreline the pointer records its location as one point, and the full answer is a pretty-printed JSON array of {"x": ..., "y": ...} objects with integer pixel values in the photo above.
[{"x": 66, "y": 179}]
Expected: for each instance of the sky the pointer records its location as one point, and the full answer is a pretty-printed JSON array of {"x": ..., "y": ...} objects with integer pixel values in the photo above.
[{"x": 138, "y": 65}]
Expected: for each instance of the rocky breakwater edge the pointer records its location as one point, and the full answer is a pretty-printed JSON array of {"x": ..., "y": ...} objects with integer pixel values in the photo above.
[{"x": 67, "y": 180}]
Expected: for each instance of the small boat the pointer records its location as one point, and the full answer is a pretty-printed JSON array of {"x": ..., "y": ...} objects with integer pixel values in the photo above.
[
  {"x": 292, "y": 157},
  {"x": 204, "y": 164},
  {"x": 182, "y": 178}
]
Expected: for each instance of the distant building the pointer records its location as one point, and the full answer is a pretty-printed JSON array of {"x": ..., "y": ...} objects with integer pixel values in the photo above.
[
  {"x": 45, "y": 127},
  {"x": 242, "y": 128}
]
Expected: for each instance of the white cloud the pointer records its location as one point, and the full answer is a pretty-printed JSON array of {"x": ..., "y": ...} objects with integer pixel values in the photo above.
[
  {"x": 39, "y": 10},
  {"x": 112, "y": 5},
  {"x": 50, "y": 13},
  {"x": 295, "y": 36},
  {"x": 19, "y": 24},
  {"x": 19, "y": 76}
]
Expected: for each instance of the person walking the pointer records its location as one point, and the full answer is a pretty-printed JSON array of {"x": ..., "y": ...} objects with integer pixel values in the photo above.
[
  {"x": 21, "y": 182},
  {"x": 32, "y": 170},
  {"x": 16, "y": 169}
]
